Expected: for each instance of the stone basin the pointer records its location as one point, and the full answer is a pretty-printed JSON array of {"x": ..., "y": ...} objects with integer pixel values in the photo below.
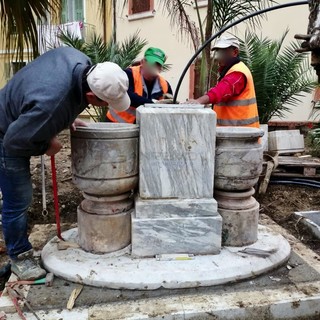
[{"x": 239, "y": 155}]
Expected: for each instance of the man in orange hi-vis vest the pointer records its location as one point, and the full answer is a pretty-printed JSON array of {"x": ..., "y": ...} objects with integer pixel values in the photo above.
[
  {"x": 233, "y": 97},
  {"x": 146, "y": 85}
]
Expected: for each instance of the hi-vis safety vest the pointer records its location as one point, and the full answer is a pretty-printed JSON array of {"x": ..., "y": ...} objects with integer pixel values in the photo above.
[
  {"x": 129, "y": 116},
  {"x": 242, "y": 110}
]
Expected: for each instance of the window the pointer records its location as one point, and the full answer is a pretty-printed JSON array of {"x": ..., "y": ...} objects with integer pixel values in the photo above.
[
  {"x": 72, "y": 10},
  {"x": 140, "y": 6}
]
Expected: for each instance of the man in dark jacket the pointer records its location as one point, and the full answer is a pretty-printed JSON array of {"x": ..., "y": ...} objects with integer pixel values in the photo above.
[{"x": 41, "y": 100}]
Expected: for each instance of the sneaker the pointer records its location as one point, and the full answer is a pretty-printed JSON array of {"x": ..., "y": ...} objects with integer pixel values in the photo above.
[{"x": 25, "y": 267}]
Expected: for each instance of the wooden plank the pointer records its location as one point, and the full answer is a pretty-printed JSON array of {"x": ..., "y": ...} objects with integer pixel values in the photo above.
[
  {"x": 294, "y": 175},
  {"x": 299, "y": 162},
  {"x": 310, "y": 172}
]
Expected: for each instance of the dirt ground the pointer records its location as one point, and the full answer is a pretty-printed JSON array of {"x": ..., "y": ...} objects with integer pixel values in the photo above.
[{"x": 279, "y": 202}]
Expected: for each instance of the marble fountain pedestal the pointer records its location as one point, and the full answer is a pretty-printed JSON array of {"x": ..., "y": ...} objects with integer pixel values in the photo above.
[
  {"x": 175, "y": 211},
  {"x": 176, "y": 230}
]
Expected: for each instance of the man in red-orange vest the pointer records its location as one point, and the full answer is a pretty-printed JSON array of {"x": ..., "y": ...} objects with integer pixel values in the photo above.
[
  {"x": 146, "y": 85},
  {"x": 233, "y": 97}
]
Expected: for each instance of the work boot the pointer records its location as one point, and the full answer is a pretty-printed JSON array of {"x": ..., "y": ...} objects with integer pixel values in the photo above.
[{"x": 25, "y": 267}]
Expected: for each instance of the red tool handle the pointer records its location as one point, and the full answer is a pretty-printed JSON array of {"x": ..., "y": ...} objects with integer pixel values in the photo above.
[
  {"x": 55, "y": 196},
  {"x": 14, "y": 298}
]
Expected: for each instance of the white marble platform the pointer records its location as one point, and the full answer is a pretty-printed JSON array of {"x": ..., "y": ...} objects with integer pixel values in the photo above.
[
  {"x": 177, "y": 147},
  {"x": 147, "y": 274}
]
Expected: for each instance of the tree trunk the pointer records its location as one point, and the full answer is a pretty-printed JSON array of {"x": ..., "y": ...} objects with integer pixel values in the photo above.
[{"x": 206, "y": 62}]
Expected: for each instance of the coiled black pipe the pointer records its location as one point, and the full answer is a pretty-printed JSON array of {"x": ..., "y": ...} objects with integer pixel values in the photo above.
[
  {"x": 310, "y": 183},
  {"x": 216, "y": 35}
]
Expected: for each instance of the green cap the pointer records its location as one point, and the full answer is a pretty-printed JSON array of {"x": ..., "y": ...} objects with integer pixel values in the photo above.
[{"x": 153, "y": 55}]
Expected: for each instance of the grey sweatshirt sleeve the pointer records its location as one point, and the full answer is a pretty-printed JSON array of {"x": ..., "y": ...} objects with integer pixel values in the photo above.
[
  {"x": 24, "y": 138},
  {"x": 30, "y": 134},
  {"x": 19, "y": 139}
]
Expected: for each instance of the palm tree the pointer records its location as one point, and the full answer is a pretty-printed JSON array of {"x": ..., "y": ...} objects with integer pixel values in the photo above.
[
  {"x": 281, "y": 75},
  {"x": 18, "y": 23},
  {"x": 219, "y": 14},
  {"x": 124, "y": 54}
]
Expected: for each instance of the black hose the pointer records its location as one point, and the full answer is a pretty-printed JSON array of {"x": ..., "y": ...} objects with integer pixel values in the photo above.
[
  {"x": 280, "y": 6},
  {"x": 305, "y": 180},
  {"x": 313, "y": 182},
  {"x": 300, "y": 183}
]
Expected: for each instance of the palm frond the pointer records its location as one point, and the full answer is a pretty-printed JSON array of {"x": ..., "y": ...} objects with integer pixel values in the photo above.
[
  {"x": 227, "y": 11},
  {"x": 281, "y": 75},
  {"x": 179, "y": 18},
  {"x": 71, "y": 40},
  {"x": 19, "y": 21}
]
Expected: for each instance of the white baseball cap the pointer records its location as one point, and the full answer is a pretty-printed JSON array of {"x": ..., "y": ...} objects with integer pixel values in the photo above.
[
  {"x": 226, "y": 42},
  {"x": 110, "y": 83}
]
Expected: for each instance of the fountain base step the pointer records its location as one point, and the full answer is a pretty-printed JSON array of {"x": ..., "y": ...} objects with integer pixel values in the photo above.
[
  {"x": 123, "y": 271},
  {"x": 196, "y": 235}
]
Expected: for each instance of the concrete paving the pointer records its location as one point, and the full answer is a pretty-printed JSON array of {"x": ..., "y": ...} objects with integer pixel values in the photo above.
[{"x": 291, "y": 292}]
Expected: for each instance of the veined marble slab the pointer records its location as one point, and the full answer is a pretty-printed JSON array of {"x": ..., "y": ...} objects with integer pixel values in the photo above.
[
  {"x": 177, "y": 148},
  {"x": 192, "y": 235},
  {"x": 175, "y": 208}
]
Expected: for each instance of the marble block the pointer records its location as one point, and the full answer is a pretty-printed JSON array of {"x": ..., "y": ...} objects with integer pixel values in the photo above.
[
  {"x": 286, "y": 141},
  {"x": 177, "y": 148},
  {"x": 191, "y": 235},
  {"x": 175, "y": 208},
  {"x": 264, "y": 138}
]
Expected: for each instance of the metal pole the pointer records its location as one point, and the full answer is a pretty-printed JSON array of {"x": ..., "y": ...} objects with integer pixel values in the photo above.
[{"x": 216, "y": 35}]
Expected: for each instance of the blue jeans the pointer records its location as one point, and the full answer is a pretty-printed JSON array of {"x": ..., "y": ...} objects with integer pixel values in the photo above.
[{"x": 16, "y": 187}]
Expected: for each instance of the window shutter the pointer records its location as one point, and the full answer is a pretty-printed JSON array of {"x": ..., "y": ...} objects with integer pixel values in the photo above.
[
  {"x": 78, "y": 10},
  {"x": 140, "y": 6},
  {"x": 64, "y": 10}
]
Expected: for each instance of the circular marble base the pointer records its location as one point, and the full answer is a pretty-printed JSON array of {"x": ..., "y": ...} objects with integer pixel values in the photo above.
[{"x": 124, "y": 272}]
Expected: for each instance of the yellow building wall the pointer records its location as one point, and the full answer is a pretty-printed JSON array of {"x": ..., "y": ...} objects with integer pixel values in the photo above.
[{"x": 94, "y": 17}]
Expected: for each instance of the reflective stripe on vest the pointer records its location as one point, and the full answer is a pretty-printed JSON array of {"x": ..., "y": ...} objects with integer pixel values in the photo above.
[
  {"x": 241, "y": 110},
  {"x": 129, "y": 116},
  {"x": 237, "y": 103},
  {"x": 117, "y": 118},
  {"x": 239, "y": 123}
]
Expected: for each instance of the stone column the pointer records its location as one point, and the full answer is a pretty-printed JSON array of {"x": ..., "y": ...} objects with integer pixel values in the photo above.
[
  {"x": 238, "y": 164},
  {"x": 175, "y": 211},
  {"x": 105, "y": 167}
]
